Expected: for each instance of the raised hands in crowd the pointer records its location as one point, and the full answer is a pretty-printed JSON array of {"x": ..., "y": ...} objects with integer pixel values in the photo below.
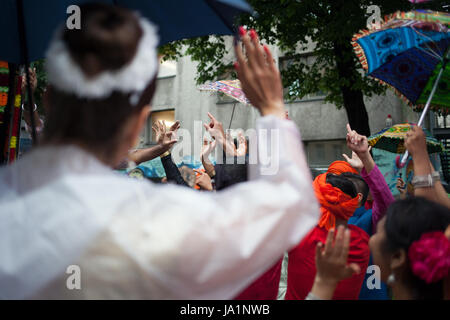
[
  {"x": 331, "y": 264},
  {"x": 203, "y": 180},
  {"x": 360, "y": 148},
  {"x": 426, "y": 180},
  {"x": 241, "y": 150},
  {"x": 165, "y": 139},
  {"x": 207, "y": 148},
  {"x": 354, "y": 161},
  {"x": 259, "y": 76}
]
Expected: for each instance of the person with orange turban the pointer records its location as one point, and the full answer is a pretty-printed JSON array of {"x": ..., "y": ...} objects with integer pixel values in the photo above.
[
  {"x": 340, "y": 167},
  {"x": 338, "y": 201}
]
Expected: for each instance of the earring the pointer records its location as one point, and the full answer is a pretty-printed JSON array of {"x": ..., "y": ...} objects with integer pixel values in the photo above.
[{"x": 391, "y": 279}]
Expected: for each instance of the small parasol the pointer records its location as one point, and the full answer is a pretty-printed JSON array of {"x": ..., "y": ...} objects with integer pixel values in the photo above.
[{"x": 392, "y": 139}]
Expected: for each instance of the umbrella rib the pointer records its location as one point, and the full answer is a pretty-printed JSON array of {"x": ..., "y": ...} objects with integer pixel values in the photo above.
[
  {"x": 431, "y": 40},
  {"x": 431, "y": 54}
]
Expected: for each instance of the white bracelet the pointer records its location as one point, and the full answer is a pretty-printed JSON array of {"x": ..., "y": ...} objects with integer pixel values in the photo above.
[
  {"x": 425, "y": 181},
  {"x": 35, "y": 108}
]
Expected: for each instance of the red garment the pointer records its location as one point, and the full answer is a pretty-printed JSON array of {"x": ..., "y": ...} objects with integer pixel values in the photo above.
[
  {"x": 334, "y": 203},
  {"x": 302, "y": 266},
  {"x": 265, "y": 287}
]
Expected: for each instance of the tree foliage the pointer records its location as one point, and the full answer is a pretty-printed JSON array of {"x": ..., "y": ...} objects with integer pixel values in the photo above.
[{"x": 291, "y": 25}]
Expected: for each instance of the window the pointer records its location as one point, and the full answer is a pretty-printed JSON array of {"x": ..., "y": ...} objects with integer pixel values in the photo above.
[
  {"x": 321, "y": 153},
  {"x": 308, "y": 59}
]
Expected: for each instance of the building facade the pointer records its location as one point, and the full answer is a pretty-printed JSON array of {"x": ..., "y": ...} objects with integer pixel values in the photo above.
[{"x": 322, "y": 125}]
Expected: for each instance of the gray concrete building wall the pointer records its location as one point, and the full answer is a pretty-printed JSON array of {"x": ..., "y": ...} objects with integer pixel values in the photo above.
[{"x": 321, "y": 124}]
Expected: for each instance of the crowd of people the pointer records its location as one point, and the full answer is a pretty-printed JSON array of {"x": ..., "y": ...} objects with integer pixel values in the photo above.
[{"x": 223, "y": 236}]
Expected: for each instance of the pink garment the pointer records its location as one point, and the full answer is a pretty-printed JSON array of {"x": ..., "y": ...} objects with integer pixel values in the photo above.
[{"x": 381, "y": 194}]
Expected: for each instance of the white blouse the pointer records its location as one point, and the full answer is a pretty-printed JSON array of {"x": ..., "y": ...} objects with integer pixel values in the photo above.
[{"x": 60, "y": 207}]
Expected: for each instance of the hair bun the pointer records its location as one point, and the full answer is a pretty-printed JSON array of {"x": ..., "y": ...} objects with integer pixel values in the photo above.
[
  {"x": 108, "y": 38},
  {"x": 430, "y": 257}
]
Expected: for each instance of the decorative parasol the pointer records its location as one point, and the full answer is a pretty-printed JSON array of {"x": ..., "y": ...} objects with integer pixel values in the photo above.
[
  {"x": 410, "y": 53},
  {"x": 231, "y": 88},
  {"x": 392, "y": 139}
]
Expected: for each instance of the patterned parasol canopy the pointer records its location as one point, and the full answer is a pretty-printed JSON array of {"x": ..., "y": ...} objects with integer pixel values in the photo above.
[
  {"x": 392, "y": 139},
  {"x": 407, "y": 53},
  {"x": 231, "y": 88}
]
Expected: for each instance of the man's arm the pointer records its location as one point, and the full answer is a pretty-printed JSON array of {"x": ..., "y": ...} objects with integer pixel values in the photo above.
[{"x": 142, "y": 155}]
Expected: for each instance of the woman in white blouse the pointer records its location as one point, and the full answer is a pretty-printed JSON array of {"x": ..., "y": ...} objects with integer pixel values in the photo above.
[{"x": 71, "y": 228}]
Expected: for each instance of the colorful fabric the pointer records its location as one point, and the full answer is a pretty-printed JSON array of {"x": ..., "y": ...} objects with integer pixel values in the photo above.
[
  {"x": 334, "y": 203},
  {"x": 406, "y": 54},
  {"x": 302, "y": 265},
  {"x": 340, "y": 167},
  {"x": 392, "y": 139},
  {"x": 231, "y": 88},
  {"x": 442, "y": 96}
]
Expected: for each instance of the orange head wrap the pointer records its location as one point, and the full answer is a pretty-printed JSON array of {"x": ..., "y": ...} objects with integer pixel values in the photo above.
[
  {"x": 340, "y": 167},
  {"x": 333, "y": 202}
]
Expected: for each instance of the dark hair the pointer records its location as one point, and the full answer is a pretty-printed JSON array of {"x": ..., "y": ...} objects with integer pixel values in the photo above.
[
  {"x": 406, "y": 221},
  {"x": 108, "y": 40},
  {"x": 360, "y": 185},
  {"x": 342, "y": 183},
  {"x": 230, "y": 174}
]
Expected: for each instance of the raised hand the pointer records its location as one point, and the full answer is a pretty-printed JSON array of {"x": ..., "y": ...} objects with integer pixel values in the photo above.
[
  {"x": 259, "y": 76},
  {"x": 207, "y": 148},
  {"x": 415, "y": 141},
  {"x": 331, "y": 259},
  {"x": 331, "y": 263},
  {"x": 165, "y": 138},
  {"x": 215, "y": 128},
  {"x": 203, "y": 180},
  {"x": 241, "y": 151},
  {"x": 356, "y": 142},
  {"x": 354, "y": 161}
]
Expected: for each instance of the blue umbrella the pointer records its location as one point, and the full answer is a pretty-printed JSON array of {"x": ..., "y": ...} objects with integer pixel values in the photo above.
[
  {"x": 29, "y": 24},
  {"x": 176, "y": 20}
]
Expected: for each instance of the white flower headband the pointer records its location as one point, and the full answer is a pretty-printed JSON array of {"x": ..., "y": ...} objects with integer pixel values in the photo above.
[{"x": 65, "y": 75}]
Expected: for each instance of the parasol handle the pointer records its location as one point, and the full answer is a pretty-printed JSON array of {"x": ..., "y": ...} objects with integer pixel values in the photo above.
[{"x": 425, "y": 110}]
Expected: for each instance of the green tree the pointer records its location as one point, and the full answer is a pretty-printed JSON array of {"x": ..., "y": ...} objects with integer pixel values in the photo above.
[{"x": 290, "y": 24}]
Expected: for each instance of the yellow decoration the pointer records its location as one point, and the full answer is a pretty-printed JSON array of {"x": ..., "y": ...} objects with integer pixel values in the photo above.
[
  {"x": 17, "y": 102},
  {"x": 13, "y": 143}
]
